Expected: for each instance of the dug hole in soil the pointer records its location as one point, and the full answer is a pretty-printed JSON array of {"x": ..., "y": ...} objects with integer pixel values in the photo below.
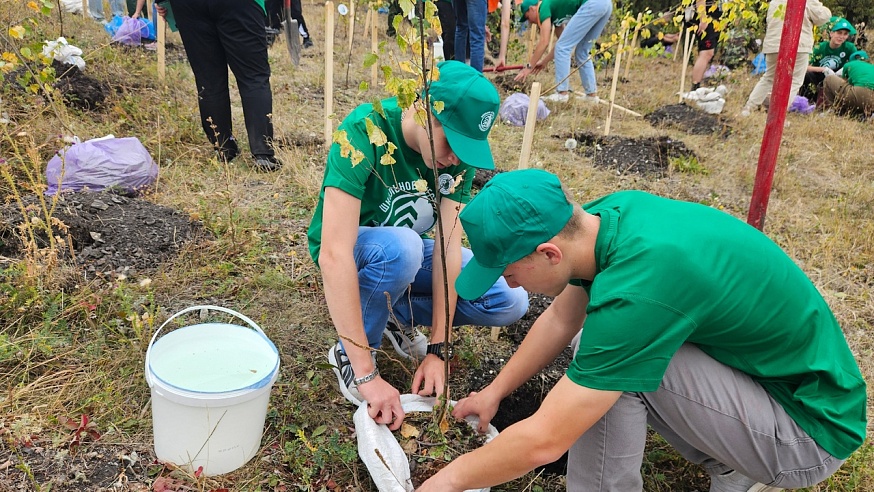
[
  {"x": 688, "y": 119},
  {"x": 649, "y": 156}
]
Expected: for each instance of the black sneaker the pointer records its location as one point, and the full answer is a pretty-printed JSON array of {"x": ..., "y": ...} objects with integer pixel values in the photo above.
[
  {"x": 307, "y": 42},
  {"x": 345, "y": 377},
  {"x": 407, "y": 341},
  {"x": 267, "y": 163},
  {"x": 228, "y": 151}
]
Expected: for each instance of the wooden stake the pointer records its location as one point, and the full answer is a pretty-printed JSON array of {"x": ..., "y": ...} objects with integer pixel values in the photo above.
[
  {"x": 687, "y": 51},
  {"x": 85, "y": 13},
  {"x": 532, "y": 40},
  {"x": 678, "y": 43},
  {"x": 374, "y": 47},
  {"x": 530, "y": 121},
  {"x": 615, "y": 79},
  {"x": 351, "y": 32},
  {"x": 161, "y": 26},
  {"x": 329, "y": 70},
  {"x": 633, "y": 46},
  {"x": 367, "y": 20},
  {"x": 621, "y": 108}
]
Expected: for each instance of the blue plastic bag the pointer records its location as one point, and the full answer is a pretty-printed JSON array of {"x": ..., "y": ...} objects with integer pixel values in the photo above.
[
  {"x": 759, "y": 64},
  {"x": 102, "y": 163},
  {"x": 113, "y": 25}
]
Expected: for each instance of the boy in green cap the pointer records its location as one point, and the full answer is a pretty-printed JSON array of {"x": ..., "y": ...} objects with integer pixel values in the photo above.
[
  {"x": 378, "y": 200},
  {"x": 693, "y": 323},
  {"x": 851, "y": 90},
  {"x": 828, "y": 57},
  {"x": 577, "y": 24}
]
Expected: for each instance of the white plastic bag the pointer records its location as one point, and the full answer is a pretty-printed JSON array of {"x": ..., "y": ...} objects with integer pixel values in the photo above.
[
  {"x": 72, "y": 6},
  {"x": 373, "y": 436},
  {"x": 62, "y": 51}
]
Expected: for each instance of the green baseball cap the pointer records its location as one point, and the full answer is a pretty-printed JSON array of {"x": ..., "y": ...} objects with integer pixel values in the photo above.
[
  {"x": 470, "y": 108},
  {"x": 527, "y": 4},
  {"x": 845, "y": 25},
  {"x": 859, "y": 55},
  {"x": 514, "y": 213}
]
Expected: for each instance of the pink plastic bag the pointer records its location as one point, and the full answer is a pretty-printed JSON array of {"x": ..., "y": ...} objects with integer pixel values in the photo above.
[{"x": 129, "y": 32}]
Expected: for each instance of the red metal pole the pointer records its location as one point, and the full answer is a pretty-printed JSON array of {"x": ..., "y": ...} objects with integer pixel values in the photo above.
[{"x": 794, "y": 15}]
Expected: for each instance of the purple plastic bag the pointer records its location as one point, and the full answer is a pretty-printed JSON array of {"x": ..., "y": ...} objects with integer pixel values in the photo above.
[
  {"x": 514, "y": 110},
  {"x": 130, "y": 32},
  {"x": 801, "y": 105},
  {"x": 102, "y": 163}
]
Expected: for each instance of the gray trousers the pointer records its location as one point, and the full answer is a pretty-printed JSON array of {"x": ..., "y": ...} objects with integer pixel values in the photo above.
[{"x": 712, "y": 415}]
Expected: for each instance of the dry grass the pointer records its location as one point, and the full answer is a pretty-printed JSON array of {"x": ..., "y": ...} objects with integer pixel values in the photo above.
[{"x": 58, "y": 358}]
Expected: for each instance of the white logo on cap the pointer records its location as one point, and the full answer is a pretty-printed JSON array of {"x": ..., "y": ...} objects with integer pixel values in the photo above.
[{"x": 485, "y": 121}]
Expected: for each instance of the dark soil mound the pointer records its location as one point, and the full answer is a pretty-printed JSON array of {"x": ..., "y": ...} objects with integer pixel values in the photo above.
[
  {"x": 688, "y": 119},
  {"x": 649, "y": 156},
  {"x": 108, "y": 232},
  {"x": 78, "y": 90},
  {"x": 505, "y": 83},
  {"x": 483, "y": 176}
]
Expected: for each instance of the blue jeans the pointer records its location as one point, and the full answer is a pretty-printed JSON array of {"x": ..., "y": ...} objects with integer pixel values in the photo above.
[
  {"x": 580, "y": 32},
  {"x": 395, "y": 262},
  {"x": 470, "y": 20},
  {"x": 95, "y": 8}
]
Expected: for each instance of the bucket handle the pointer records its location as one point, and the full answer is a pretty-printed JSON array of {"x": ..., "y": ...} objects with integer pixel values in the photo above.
[{"x": 248, "y": 321}]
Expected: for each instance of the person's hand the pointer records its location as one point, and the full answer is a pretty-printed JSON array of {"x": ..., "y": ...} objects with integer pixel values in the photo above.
[
  {"x": 539, "y": 66},
  {"x": 481, "y": 404},
  {"x": 135, "y": 15},
  {"x": 488, "y": 35},
  {"x": 522, "y": 74},
  {"x": 162, "y": 11},
  {"x": 438, "y": 483},
  {"x": 826, "y": 71},
  {"x": 383, "y": 402},
  {"x": 502, "y": 61},
  {"x": 429, "y": 378}
]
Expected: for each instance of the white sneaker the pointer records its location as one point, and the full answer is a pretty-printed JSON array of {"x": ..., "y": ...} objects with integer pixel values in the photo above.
[
  {"x": 345, "y": 376},
  {"x": 407, "y": 341},
  {"x": 745, "y": 111},
  {"x": 589, "y": 99},
  {"x": 556, "y": 97}
]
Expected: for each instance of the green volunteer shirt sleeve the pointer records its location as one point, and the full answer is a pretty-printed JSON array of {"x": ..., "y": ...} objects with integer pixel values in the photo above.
[
  {"x": 627, "y": 343},
  {"x": 341, "y": 171}
]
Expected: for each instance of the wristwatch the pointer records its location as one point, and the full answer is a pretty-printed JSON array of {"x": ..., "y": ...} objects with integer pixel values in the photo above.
[
  {"x": 437, "y": 349},
  {"x": 528, "y": 66}
]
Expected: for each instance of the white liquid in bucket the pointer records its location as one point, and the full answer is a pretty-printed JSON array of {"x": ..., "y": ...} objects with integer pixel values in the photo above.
[{"x": 210, "y": 389}]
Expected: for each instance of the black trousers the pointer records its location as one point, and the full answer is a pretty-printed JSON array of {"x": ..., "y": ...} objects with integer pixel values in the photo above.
[
  {"x": 275, "y": 15},
  {"x": 218, "y": 34},
  {"x": 446, "y": 14}
]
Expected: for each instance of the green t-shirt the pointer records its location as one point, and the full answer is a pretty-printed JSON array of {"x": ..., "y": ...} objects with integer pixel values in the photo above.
[
  {"x": 388, "y": 193},
  {"x": 671, "y": 272},
  {"x": 559, "y": 11},
  {"x": 824, "y": 56},
  {"x": 859, "y": 73}
]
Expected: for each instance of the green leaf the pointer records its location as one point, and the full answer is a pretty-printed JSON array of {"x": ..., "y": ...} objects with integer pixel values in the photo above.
[
  {"x": 406, "y": 7},
  {"x": 319, "y": 430},
  {"x": 370, "y": 59},
  {"x": 363, "y": 86},
  {"x": 377, "y": 106}
]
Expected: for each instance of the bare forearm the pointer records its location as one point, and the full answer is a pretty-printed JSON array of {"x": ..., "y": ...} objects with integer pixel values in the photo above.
[{"x": 340, "y": 280}]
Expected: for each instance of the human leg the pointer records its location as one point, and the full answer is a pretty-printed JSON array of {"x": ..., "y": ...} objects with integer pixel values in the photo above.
[
  {"x": 477, "y": 10},
  {"x": 832, "y": 87},
  {"x": 601, "y": 11},
  {"x": 95, "y": 9},
  {"x": 721, "y": 418},
  {"x": 118, "y": 8},
  {"x": 608, "y": 456},
  {"x": 706, "y": 48},
  {"x": 801, "y": 61},
  {"x": 209, "y": 64},
  {"x": 499, "y": 306},
  {"x": 297, "y": 14},
  {"x": 811, "y": 85},
  {"x": 857, "y": 100},
  {"x": 765, "y": 83},
  {"x": 461, "y": 30},
  {"x": 388, "y": 260},
  {"x": 446, "y": 13},
  {"x": 241, "y": 33}
]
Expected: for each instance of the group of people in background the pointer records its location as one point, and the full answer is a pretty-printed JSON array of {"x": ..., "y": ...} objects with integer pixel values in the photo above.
[{"x": 833, "y": 74}]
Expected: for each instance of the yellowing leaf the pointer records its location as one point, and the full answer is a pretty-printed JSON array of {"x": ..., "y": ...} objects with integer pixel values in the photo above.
[
  {"x": 421, "y": 185},
  {"x": 387, "y": 159},
  {"x": 407, "y": 67},
  {"x": 438, "y": 107},
  {"x": 357, "y": 156},
  {"x": 408, "y": 430},
  {"x": 375, "y": 134},
  {"x": 17, "y": 32},
  {"x": 33, "y": 6},
  {"x": 410, "y": 446},
  {"x": 421, "y": 117}
]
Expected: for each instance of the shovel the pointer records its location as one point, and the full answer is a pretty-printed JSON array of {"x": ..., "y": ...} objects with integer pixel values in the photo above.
[{"x": 292, "y": 34}]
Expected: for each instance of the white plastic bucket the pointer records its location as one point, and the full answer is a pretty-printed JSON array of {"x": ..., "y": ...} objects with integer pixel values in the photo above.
[{"x": 210, "y": 387}]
